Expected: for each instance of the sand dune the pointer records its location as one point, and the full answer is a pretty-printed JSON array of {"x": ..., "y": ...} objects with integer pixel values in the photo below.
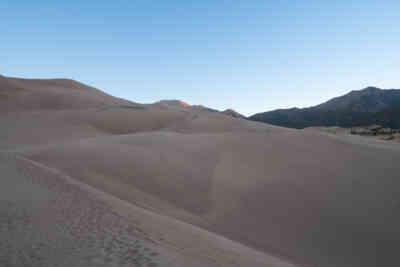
[
  {"x": 283, "y": 193},
  {"x": 56, "y": 94},
  {"x": 192, "y": 178}
]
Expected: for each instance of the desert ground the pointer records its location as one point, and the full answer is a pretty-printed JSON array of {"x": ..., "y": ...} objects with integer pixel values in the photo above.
[{"x": 88, "y": 179}]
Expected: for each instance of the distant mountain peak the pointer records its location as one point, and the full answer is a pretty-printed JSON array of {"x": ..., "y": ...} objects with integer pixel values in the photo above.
[
  {"x": 233, "y": 113},
  {"x": 371, "y": 88},
  {"x": 173, "y": 102}
]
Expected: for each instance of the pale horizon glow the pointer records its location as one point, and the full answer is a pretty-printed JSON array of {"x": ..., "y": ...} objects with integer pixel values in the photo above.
[{"x": 250, "y": 56}]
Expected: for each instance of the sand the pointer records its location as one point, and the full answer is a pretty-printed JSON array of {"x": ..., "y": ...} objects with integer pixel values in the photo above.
[{"x": 200, "y": 188}]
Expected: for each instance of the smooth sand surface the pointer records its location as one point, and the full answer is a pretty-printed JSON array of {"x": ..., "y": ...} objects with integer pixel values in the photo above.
[{"x": 204, "y": 189}]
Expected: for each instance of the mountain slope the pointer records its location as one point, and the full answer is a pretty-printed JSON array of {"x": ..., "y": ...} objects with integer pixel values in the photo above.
[{"x": 357, "y": 108}]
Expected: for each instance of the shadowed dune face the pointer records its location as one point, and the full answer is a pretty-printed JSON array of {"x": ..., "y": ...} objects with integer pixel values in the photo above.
[
  {"x": 313, "y": 199},
  {"x": 307, "y": 203},
  {"x": 154, "y": 164}
]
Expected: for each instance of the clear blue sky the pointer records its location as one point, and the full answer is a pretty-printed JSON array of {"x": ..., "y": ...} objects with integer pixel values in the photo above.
[{"x": 248, "y": 55}]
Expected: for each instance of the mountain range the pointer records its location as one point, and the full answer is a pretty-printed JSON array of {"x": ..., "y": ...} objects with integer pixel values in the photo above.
[{"x": 368, "y": 106}]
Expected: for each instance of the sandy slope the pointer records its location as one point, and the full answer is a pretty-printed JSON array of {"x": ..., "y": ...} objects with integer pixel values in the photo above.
[
  {"x": 281, "y": 193},
  {"x": 50, "y": 219},
  {"x": 306, "y": 197},
  {"x": 56, "y": 94},
  {"x": 48, "y": 222}
]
